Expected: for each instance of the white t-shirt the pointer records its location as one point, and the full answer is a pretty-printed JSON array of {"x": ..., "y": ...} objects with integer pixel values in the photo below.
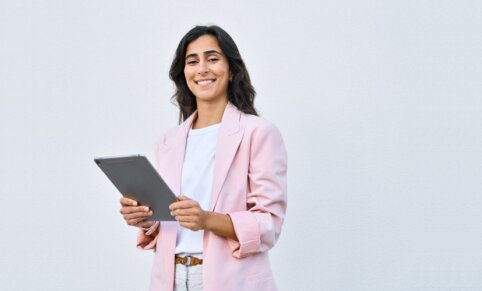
[{"x": 197, "y": 181}]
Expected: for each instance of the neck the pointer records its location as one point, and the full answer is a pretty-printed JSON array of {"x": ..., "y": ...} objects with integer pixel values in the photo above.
[{"x": 209, "y": 113}]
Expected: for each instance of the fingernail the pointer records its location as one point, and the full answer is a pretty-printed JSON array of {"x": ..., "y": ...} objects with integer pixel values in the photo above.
[{"x": 146, "y": 208}]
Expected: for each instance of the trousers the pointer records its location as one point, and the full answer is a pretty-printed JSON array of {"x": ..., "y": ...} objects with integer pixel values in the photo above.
[{"x": 188, "y": 278}]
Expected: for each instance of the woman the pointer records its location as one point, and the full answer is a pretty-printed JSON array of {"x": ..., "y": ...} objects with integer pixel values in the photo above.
[{"x": 230, "y": 166}]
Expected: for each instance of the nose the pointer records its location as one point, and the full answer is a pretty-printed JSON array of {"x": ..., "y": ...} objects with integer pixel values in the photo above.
[{"x": 203, "y": 67}]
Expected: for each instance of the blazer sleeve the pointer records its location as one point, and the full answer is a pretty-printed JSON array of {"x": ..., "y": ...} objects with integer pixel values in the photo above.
[
  {"x": 259, "y": 227},
  {"x": 146, "y": 241}
]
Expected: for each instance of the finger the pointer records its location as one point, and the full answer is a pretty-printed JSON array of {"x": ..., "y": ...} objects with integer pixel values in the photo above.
[
  {"x": 128, "y": 202},
  {"x": 193, "y": 211},
  {"x": 132, "y": 209},
  {"x": 187, "y": 219},
  {"x": 183, "y": 198},
  {"x": 183, "y": 204},
  {"x": 135, "y": 221},
  {"x": 146, "y": 224},
  {"x": 136, "y": 215}
]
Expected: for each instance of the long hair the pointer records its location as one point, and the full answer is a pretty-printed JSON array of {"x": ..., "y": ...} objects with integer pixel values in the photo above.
[{"x": 240, "y": 91}]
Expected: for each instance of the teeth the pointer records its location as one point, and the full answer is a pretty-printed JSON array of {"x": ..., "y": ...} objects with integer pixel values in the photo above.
[{"x": 204, "y": 82}]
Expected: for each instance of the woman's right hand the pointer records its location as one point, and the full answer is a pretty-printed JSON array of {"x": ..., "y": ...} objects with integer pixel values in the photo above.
[{"x": 135, "y": 215}]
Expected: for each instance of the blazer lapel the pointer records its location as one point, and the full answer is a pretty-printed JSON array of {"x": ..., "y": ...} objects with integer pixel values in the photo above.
[
  {"x": 230, "y": 135},
  {"x": 175, "y": 157}
]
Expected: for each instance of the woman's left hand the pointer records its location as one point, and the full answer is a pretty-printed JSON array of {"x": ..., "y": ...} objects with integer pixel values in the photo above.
[{"x": 189, "y": 214}]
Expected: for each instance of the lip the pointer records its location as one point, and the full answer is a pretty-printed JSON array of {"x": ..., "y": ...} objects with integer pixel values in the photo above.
[{"x": 197, "y": 81}]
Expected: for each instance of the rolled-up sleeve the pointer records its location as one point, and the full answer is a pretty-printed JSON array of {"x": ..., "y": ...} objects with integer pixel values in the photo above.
[
  {"x": 259, "y": 227},
  {"x": 145, "y": 240}
]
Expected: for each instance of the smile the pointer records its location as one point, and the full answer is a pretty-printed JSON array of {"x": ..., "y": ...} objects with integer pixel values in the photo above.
[{"x": 204, "y": 82}]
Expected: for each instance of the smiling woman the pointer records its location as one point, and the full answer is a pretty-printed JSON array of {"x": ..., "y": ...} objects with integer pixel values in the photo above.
[
  {"x": 207, "y": 71},
  {"x": 229, "y": 168},
  {"x": 240, "y": 91}
]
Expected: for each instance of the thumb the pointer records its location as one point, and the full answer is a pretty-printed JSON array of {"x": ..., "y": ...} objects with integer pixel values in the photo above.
[{"x": 182, "y": 198}]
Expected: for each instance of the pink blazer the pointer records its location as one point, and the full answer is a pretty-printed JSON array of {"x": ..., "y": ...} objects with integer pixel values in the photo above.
[{"x": 249, "y": 185}]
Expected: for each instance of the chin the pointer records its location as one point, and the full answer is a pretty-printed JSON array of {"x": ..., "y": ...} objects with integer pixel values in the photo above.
[{"x": 205, "y": 97}]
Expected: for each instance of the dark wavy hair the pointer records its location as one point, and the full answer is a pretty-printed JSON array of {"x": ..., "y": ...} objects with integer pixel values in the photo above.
[{"x": 240, "y": 91}]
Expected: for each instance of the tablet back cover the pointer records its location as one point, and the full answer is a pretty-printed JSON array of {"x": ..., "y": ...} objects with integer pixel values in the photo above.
[{"x": 136, "y": 178}]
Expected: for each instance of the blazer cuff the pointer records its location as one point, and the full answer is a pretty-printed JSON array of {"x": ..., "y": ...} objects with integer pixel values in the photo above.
[
  {"x": 145, "y": 240},
  {"x": 246, "y": 228}
]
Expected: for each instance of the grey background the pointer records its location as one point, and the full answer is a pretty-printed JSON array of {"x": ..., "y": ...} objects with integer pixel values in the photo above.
[{"x": 379, "y": 103}]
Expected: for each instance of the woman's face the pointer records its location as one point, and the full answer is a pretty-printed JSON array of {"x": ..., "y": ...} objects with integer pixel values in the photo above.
[{"x": 207, "y": 70}]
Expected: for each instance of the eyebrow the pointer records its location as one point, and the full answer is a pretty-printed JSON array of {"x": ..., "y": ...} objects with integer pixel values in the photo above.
[{"x": 205, "y": 53}]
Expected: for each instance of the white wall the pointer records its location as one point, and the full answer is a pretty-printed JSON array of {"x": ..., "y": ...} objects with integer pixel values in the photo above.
[{"x": 379, "y": 103}]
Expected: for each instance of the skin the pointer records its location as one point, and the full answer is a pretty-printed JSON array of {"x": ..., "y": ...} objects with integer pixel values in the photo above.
[{"x": 204, "y": 61}]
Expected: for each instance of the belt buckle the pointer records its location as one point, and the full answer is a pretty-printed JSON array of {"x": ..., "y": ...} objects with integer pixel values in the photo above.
[{"x": 188, "y": 261}]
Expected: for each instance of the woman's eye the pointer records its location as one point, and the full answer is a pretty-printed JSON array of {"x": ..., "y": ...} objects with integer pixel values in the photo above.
[
  {"x": 212, "y": 60},
  {"x": 191, "y": 62}
]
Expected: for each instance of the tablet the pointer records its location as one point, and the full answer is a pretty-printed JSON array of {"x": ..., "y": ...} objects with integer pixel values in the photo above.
[{"x": 135, "y": 178}]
